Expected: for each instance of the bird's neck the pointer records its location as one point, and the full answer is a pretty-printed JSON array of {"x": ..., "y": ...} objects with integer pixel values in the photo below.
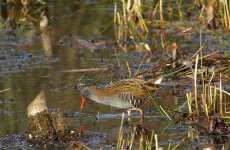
[{"x": 95, "y": 94}]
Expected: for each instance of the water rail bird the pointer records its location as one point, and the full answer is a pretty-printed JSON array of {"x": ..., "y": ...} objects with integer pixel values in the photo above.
[{"x": 127, "y": 94}]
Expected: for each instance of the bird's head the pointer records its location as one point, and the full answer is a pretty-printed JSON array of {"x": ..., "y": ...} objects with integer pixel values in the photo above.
[{"x": 85, "y": 92}]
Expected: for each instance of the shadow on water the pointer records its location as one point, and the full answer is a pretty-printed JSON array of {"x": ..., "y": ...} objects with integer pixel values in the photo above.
[{"x": 35, "y": 57}]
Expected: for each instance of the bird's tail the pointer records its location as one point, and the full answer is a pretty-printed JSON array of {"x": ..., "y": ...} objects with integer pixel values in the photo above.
[
  {"x": 156, "y": 81},
  {"x": 153, "y": 84}
]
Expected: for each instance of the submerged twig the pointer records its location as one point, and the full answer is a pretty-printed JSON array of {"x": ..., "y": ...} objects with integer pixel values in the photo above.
[
  {"x": 5, "y": 90},
  {"x": 84, "y": 70}
]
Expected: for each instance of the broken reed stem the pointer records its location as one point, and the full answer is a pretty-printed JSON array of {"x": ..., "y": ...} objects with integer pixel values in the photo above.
[
  {"x": 161, "y": 10},
  {"x": 227, "y": 14},
  {"x": 120, "y": 137},
  {"x": 115, "y": 12},
  {"x": 141, "y": 142},
  {"x": 221, "y": 90},
  {"x": 198, "y": 51},
  {"x": 118, "y": 30},
  {"x": 151, "y": 141},
  {"x": 179, "y": 2},
  {"x": 205, "y": 109},
  {"x": 158, "y": 108},
  {"x": 202, "y": 10},
  {"x": 162, "y": 109},
  {"x": 144, "y": 26},
  {"x": 129, "y": 20},
  {"x": 174, "y": 148},
  {"x": 207, "y": 88},
  {"x": 221, "y": 98},
  {"x": 214, "y": 99},
  {"x": 124, "y": 13},
  {"x": 128, "y": 4},
  {"x": 156, "y": 142},
  {"x": 189, "y": 99},
  {"x": 213, "y": 73},
  {"x": 201, "y": 62},
  {"x": 210, "y": 96},
  {"x": 225, "y": 104},
  {"x": 84, "y": 70},
  {"x": 115, "y": 20},
  {"x": 127, "y": 64},
  {"x": 137, "y": 10},
  {"x": 195, "y": 86},
  {"x": 5, "y": 90},
  {"x": 221, "y": 12},
  {"x": 132, "y": 139},
  {"x": 155, "y": 10}
]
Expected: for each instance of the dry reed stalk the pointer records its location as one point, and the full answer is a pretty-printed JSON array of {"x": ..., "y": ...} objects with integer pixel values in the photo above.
[
  {"x": 207, "y": 88},
  {"x": 213, "y": 73},
  {"x": 161, "y": 10},
  {"x": 205, "y": 107},
  {"x": 225, "y": 13},
  {"x": 221, "y": 98},
  {"x": 195, "y": 87},
  {"x": 150, "y": 144},
  {"x": 119, "y": 30},
  {"x": 115, "y": 18},
  {"x": 189, "y": 99},
  {"x": 5, "y": 90},
  {"x": 84, "y": 70},
  {"x": 198, "y": 51},
  {"x": 124, "y": 14},
  {"x": 206, "y": 94},
  {"x": 120, "y": 141},
  {"x": 175, "y": 147},
  {"x": 129, "y": 20},
  {"x": 215, "y": 99},
  {"x": 166, "y": 114},
  {"x": 132, "y": 139},
  {"x": 210, "y": 96},
  {"x": 221, "y": 90},
  {"x": 186, "y": 30},
  {"x": 202, "y": 10},
  {"x": 156, "y": 142},
  {"x": 228, "y": 15},
  {"x": 128, "y": 67},
  {"x": 141, "y": 142},
  {"x": 178, "y": 3},
  {"x": 225, "y": 104},
  {"x": 155, "y": 10}
]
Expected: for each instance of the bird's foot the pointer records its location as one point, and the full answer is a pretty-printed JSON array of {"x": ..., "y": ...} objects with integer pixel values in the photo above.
[{"x": 135, "y": 109}]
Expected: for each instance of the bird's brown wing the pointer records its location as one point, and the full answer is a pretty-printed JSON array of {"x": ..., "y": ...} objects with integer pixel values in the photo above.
[{"x": 132, "y": 86}]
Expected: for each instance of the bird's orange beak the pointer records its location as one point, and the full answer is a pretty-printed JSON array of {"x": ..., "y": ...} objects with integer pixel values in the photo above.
[{"x": 82, "y": 102}]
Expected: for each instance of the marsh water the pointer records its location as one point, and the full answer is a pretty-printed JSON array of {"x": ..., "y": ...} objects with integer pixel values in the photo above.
[{"x": 33, "y": 60}]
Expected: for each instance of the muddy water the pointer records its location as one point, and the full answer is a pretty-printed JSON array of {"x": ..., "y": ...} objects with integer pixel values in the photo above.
[{"x": 33, "y": 59}]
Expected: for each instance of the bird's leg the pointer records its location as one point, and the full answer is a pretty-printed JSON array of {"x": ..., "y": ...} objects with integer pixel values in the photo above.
[
  {"x": 129, "y": 114},
  {"x": 141, "y": 113},
  {"x": 136, "y": 109}
]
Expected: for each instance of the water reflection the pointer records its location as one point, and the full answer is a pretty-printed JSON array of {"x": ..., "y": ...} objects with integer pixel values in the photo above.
[
  {"x": 39, "y": 59},
  {"x": 39, "y": 43},
  {"x": 45, "y": 35}
]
